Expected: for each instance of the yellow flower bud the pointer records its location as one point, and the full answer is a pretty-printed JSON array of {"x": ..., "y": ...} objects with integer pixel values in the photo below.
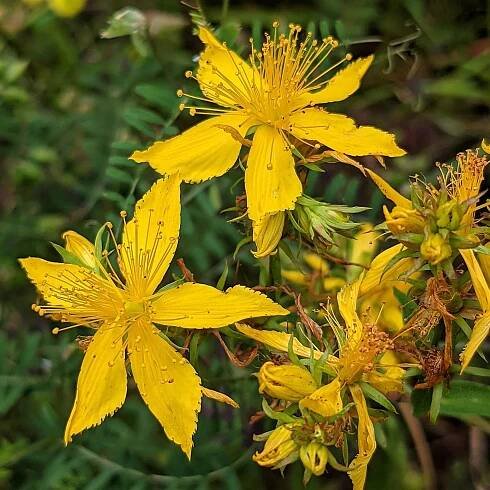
[
  {"x": 296, "y": 277},
  {"x": 403, "y": 220},
  {"x": 278, "y": 447},
  {"x": 286, "y": 382},
  {"x": 67, "y": 8},
  {"x": 267, "y": 233},
  {"x": 333, "y": 283},
  {"x": 80, "y": 247},
  {"x": 314, "y": 457},
  {"x": 316, "y": 262},
  {"x": 435, "y": 249}
]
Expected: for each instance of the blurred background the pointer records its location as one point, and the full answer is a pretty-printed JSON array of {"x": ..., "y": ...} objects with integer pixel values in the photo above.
[{"x": 74, "y": 105}]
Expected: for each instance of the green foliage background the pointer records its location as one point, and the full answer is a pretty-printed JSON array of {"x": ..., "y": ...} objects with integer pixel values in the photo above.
[{"x": 72, "y": 108}]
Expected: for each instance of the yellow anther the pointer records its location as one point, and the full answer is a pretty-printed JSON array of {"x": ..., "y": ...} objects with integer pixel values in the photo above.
[
  {"x": 188, "y": 74},
  {"x": 55, "y": 331},
  {"x": 348, "y": 56},
  {"x": 180, "y": 93}
]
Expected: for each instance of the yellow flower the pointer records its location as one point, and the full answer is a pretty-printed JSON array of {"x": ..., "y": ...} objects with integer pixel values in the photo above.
[
  {"x": 67, "y": 8},
  {"x": 286, "y": 381},
  {"x": 276, "y": 95},
  {"x": 357, "y": 361},
  {"x": 123, "y": 309},
  {"x": 278, "y": 447}
]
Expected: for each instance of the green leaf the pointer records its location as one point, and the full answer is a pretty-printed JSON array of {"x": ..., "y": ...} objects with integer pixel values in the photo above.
[
  {"x": 194, "y": 348},
  {"x": 377, "y": 396},
  {"x": 466, "y": 398},
  {"x": 420, "y": 402},
  {"x": 125, "y": 22},
  {"x": 68, "y": 257},
  {"x": 292, "y": 355},
  {"x": 435, "y": 404},
  {"x": 222, "y": 278},
  {"x": 281, "y": 416}
]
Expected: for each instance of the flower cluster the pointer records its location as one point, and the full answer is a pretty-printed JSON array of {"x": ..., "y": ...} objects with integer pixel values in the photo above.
[{"x": 356, "y": 316}]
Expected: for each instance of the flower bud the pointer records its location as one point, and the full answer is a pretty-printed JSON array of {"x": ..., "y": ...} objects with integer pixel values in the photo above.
[
  {"x": 403, "y": 220},
  {"x": 449, "y": 215},
  {"x": 314, "y": 457},
  {"x": 67, "y": 8},
  {"x": 435, "y": 249},
  {"x": 267, "y": 233},
  {"x": 80, "y": 247},
  {"x": 286, "y": 382},
  {"x": 277, "y": 448},
  {"x": 467, "y": 240},
  {"x": 316, "y": 219}
]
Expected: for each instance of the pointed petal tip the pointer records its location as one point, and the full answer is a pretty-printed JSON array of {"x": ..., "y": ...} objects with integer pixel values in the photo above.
[{"x": 138, "y": 156}]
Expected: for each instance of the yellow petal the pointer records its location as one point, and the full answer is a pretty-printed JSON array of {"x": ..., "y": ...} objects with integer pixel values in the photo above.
[
  {"x": 267, "y": 233},
  {"x": 478, "y": 280},
  {"x": 223, "y": 76},
  {"x": 485, "y": 264},
  {"x": 485, "y": 146},
  {"x": 279, "y": 341},
  {"x": 62, "y": 284},
  {"x": 347, "y": 302},
  {"x": 219, "y": 397},
  {"x": 362, "y": 250},
  {"x": 271, "y": 182},
  {"x": 389, "y": 381},
  {"x": 480, "y": 332},
  {"x": 325, "y": 401},
  {"x": 194, "y": 305},
  {"x": 101, "y": 387},
  {"x": 81, "y": 248},
  {"x": 365, "y": 439},
  {"x": 378, "y": 276},
  {"x": 340, "y": 133},
  {"x": 204, "y": 151},
  {"x": 151, "y": 237},
  {"x": 343, "y": 84},
  {"x": 389, "y": 191},
  {"x": 168, "y": 384}
]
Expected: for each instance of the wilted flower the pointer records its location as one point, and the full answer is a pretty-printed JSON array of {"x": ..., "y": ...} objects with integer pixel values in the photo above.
[{"x": 278, "y": 448}]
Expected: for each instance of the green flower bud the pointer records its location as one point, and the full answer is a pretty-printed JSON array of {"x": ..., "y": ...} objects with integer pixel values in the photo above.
[
  {"x": 314, "y": 457},
  {"x": 435, "y": 249}
]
